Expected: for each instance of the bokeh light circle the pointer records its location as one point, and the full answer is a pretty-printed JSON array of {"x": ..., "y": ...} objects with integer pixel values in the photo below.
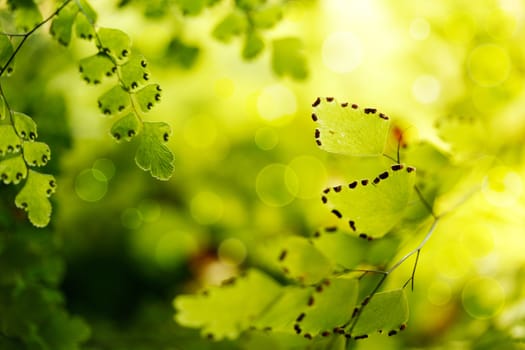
[
  {"x": 488, "y": 65},
  {"x": 419, "y": 29},
  {"x": 131, "y": 218},
  {"x": 276, "y": 185},
  {"x": 91, "y": 185},
  {"x": 426, "y": 89},
  {"x": 266, "y": 138},
  {"x": 105, "y": 167},
  {"x": 232, "y": 251},
  {"x": 483, "y": 297},
  {"x": 276, "y": 103},
  {"x": 342, "y": 52},
  {"x": 206, "y": 207}
]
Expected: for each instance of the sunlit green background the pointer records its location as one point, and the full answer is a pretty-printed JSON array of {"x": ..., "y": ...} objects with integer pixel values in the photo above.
[{"x": 248, "y": 170}]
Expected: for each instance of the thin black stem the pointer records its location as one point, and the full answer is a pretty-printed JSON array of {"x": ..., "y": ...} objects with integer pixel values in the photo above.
[
  {"x": 28, "y": 34},
  {"x": 424, "y": 201}
]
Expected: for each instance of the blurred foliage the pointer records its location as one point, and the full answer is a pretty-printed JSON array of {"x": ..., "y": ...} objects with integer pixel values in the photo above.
[{"x": 248, "y": 174}]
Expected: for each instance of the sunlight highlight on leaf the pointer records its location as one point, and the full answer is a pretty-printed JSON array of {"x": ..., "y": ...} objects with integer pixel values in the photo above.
[
  {"x": 152, "y": 154},
  {"x": 34, "y": 197}
]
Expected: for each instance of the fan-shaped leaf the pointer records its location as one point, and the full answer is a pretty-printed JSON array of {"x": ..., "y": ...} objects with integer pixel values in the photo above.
[
  {"x": 302, "y": 261},
  {"x": 115, "y": 43},
  {"x": 94, "y": 68},
  {"x": 152, "y": 154},
  {"x": 33, "y": 197},
  {"x": 385, "y": 312},
  {"x": 6, "y": 50},
  {"x": 83, "y": 28},
  {"x": 3, "y": 109},
  {"x": 148, "y": 96},
  {"x": 371, "y": 207},
  {"x": 27, "y": 15},
  {"x": 232, "y": 25},
  {"x": 62, "y": 24},
  {"x": 226, "y": 311},
  {"x": 267, "y": 17},
  {"x": 288, "y": 58},
  {"x": 13, "y": 170},
  {"x": 134, "y": 73},
  {"x": 36, "y": 153},
  {"x": 193, "y": 7},
  {"x": 253, "y": 45},
  {"x": 25, "y": 126},
  {"x": 86, "y": 9},
  {"x": 347, "y": 129},
  {"x": 9, "y": 140},
  {"x": 126, "y": 127},
  {"x": 114, "y": 100},
  {"x": 249, "y": 5}
]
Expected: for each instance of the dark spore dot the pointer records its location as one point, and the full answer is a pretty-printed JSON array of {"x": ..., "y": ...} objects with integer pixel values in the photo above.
[
  {"x": 267, "y": 329},
  {"x": 331, "y": 229},
  {"x": 32, "y": 135},
  {"x": 143, "y": 63},
  {"x": 354, "y": 106},
  {"x": 48, "y": 192},
  {"x": 297, "y": 328},
  {"x": 282, "y": 256},
  {"x": 348, "y": 336},
  {"x": 384, "y": 175},
  {"x": 370, "y": 110},
  {"x": 326, "y": 190},
  {"x": 410, "y": 169},
  {"x": 329, "y": 99},
  {"x": 157, "y": 97},
  {"x": 344, "y": 104},
  {"x": 337, "y": 213},
  {"x": 308, "y": 336},
  {"x": 363, "y": 235},
  {"x": 326, "y": 282},
  {"x": 52, "y": 183},
  {"x": 337, "y": 188},
  {"x": 114, "y": 69},
  {"x": 352, "y": 184},
  {"x": 319, "y": 288},
  {"x": 121, "y": 108},
  {"x": 124, "y": 53},
  {"x": 397, "y": 167},
  {"x": 300, "y": 317},
  {"x": 317, "y": 133},
  {"x": 352, "y": 225},
  {"x": 317, "y": 234},
  {"x": 80, "y": 69},
  {"x": 44, "y": 159},
  {"x": 116, "y": 136},
  {"x": 392, "y": 332},
  {"x": 96, "y": 81},
  {"x": 209, "y": 336},
  {"x": 10, "y": 148},
  {"x": 402, "y": 327},
  {"x": 166, "y": 137},
  {"x": 134, "y": 85},
  {"x": 318, "y": 142},
  {"x": 311, "y": 301},
  {"x": 159, "y": 88},
  {"x": 325, "y": 333},
  {"x": 339, "y": 330},
  {"x": 370, "y": 238},
  {"x": 376, "y": 181},
  {"x": 19, "y": 176},
  {"x": 108, "y": 74},
  {"x": 107, "y": 111},
  {"x": 354, "y": 314},
  {"x": 149, "y": 105},
  {"x": 364, "y": 336},
  {"x": 383, "y": 116},
  {"x": 316, "y": 102},
  {"x": 145, "y": 76},
  {"x": 314, "y": 117},
  {"x": 285, "y": 270},
  {"x": 324, "y": 199},
  {"x": 364, "y": 182},
  {"x": 131, "y": 133},
  {"x": 24, "y": 205}
]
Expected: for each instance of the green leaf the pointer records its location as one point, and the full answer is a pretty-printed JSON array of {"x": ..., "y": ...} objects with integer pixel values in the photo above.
[
  {"x": 115, "y": 43},
  {"x": 27, "y": 14},
  {"x": 193, "y": 7},
  {"x": 267, "y": 17},
  {"x": 25, "y": 126},
  {"x": 183, "y": 54},
  {"x": 114, "y": 100},
  {"x": 347, "y": 129},
  {"x": 9, "y": 140},
  {"x": 86, "y": 9},
  {"x": 152, "y": 154},
  {"x": 341, "y": 248},
  {"x": 385, "y": 312},
  {"x": 94, "y": 68},
  {"x": 148, "y": 96},
  {"x": 226, "y": 311},
  {"x": 253, "y": 45},
  {"x": 6, "y": 50},
  {"x": 33, "y": 197},
  {"x": 372, "y": 207},
  {"x": 134, "y": 73},
  {"x": 62, "y": 24},
  {"x": 83, "y": 28},
  {"x": 36, "y": 153},
  {"x": 233, "y": 24},
  {"x": 13, "y": 170},
  {"x": 288, "y": 58},
  {"x": 4, "y": 112},
  {"x": 126, "y": 127},
  {"x": 300, "y": 260}
]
